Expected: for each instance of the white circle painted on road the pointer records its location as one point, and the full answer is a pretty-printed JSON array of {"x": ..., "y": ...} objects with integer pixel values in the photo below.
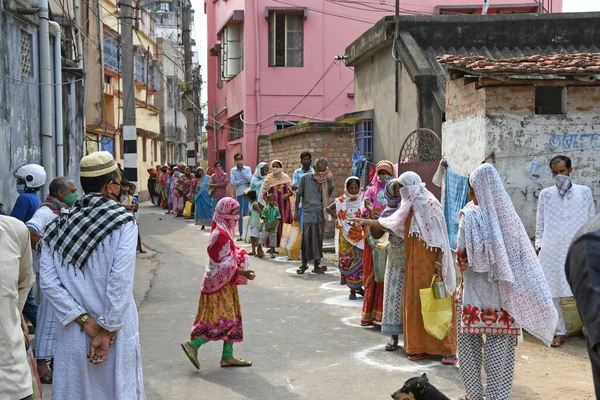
[
  {"x": 333, "y": 287},
  {"x": 292, "y": 271},
  {"x": 343, "y": 301},
  {"x": 365, "y": 356},
  {"x": 349, "y": 321}
]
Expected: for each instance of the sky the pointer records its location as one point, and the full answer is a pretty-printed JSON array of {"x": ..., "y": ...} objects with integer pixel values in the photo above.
[{"x": 200, "y": 30}]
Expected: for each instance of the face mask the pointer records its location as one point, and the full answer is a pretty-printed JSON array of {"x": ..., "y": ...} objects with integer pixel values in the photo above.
[
  {"x": 21, "y": 189},
  {"x": 219, "y": 170},
  {"x": 384, "y": 178},
  {"x": 563, "y": 183},
  {"x": 239, "y": 163},
  {"x": 71, "y": 198},
  {"x": 276, "y": 170},
  {"x": 306, "y": 166}
]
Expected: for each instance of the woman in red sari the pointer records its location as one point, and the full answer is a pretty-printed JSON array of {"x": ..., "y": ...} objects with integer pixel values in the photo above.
[
  {"x": 375, "y": 203},
  {"x": 219, "y": 314},
  {"x": 280, "y": 184}
]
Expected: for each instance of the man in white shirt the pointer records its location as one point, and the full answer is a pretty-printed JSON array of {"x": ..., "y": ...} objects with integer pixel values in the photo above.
[
  {"x": 63, "y": 194},
  {"x": 241, "y": 176},
  {"x": 562, "y": 209},
  {"x": 16, "y": 278}
]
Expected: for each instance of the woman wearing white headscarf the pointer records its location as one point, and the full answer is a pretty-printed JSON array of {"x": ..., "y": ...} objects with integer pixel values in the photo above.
[
  {"x": 503, "y": 289},
  {"x": 258, "y": 178},
  {"x": 420, "y": 221}
]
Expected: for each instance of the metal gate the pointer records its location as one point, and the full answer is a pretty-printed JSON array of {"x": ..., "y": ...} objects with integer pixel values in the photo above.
[{"x": 421, "y": 153}]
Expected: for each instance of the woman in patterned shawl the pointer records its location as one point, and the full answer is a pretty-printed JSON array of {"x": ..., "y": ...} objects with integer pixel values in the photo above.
[
  {"x": 219, "y": 314},
  {"x": 351, "y": 238},
  {"x": 375, "y": 203},
  {"x": 504, "y": 287},
  {"x": 279, "y": 183}
]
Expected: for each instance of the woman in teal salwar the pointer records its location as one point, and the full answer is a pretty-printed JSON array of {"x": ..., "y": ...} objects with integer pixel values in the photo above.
[{"x": 203, "y": 209}]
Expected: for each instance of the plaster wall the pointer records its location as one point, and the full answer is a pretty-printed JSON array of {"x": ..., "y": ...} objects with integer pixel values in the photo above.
[
  {"x": 374, "y": 89},
  {"x": 524, "y": 142}
]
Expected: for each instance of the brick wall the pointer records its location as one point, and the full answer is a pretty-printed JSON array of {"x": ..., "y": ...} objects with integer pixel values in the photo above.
[
  {"x": 515, "y": 100},
  {"x": 463, "y": 100},
  {"x": 332, "y": 141},
  {"x": 263, "y": 148},
  {"x": 583, "y": 99}
]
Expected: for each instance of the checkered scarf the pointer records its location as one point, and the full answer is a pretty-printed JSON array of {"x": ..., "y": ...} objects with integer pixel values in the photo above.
[{"x": 76, "y": 232}]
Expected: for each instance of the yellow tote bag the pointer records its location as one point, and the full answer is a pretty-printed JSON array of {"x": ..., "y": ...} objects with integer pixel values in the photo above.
[
  {"x": 437, "y": 313},
  {"x": 187, "y": 210}
]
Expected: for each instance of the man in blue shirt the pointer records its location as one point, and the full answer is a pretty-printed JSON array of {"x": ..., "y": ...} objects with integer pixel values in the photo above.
[
  {"x": 306, "y": 160},
  {"x": 30, "y": 179},
  {"x": 241, "y": 176}
]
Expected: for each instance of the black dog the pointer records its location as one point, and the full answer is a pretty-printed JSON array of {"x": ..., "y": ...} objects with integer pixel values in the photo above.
[{"x": 419, "y": 388}]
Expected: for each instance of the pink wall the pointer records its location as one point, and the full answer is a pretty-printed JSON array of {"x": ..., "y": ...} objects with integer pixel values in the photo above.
[{"x": 329, "y": 28}]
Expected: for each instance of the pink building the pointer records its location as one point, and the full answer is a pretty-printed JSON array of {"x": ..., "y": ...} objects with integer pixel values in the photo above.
[{"x": 272, "y": 63}]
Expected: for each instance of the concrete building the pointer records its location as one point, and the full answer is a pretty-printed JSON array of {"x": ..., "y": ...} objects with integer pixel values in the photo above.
[
  {"x": 521, "y": 112},
  {"x": 104, "y": 89},
  {"x": 22, "y": 111},
  {"x": 169, "y": 100},
  {"x": 272, "y": 63},
  {"x": 418, "y": 100}
]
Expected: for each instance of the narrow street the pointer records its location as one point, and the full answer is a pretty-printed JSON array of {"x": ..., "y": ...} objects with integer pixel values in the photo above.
[{"x": 301, "y": 332}]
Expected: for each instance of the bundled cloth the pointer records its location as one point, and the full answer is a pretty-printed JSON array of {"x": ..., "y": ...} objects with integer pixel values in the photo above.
[{"x": 455, "y": 198}]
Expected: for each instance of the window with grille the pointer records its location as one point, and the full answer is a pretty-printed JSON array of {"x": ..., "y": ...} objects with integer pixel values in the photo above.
[
  {"x": 236, "y": 127},
  {"x": 286, "y": 39},
  {"x": 111, "y": 52},
  {"x": 26, "y": 53},
  {"x": 363, "y": 137},
  {"x": 232, "y": 51},
  {"x": 141, "y": 67}
]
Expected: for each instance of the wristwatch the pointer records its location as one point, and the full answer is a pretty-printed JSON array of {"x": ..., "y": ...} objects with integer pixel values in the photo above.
[{"x": 82, "y": 320}]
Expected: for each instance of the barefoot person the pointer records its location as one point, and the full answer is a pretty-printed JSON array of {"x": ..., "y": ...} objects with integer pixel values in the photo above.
[
  {"x": 86, "y": 272},
  {"x": 503, "y": 288},
  {"x": 351, "y": 240},
  {"x": 219, "y": 314},
  {"x": 420, "y": 220}
]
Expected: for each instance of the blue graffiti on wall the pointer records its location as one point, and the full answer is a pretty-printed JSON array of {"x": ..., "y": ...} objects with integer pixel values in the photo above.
[
  {"x": 539, "y": 171},
  {"x": 586, "y": 141}
]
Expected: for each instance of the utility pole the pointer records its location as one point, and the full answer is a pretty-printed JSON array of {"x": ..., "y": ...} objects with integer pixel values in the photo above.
[
  {"x": 189, "y": 86},
  {"x": 129, "y": 127},
  {"x": 395, "y": 51}
]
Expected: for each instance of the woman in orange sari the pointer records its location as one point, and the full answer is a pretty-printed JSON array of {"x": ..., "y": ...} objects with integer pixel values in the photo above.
[{"x": 420, "y": 221}]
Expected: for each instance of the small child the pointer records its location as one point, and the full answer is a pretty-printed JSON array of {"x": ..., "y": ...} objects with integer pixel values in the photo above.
[
  {"x": 272, "y": 218},
  {"x": 126, "y": 199},
  {"x": 255, "y": 214},
  {"x": 134, "y": 207}
]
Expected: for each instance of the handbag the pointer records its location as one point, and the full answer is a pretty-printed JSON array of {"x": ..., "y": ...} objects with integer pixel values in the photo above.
[
  {"x": 187, "y": 211},
  {"x": 437, "y": 313}
]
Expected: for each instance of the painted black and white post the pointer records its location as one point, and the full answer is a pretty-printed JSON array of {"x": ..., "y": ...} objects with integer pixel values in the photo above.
[{"x": 129, "y": 128}]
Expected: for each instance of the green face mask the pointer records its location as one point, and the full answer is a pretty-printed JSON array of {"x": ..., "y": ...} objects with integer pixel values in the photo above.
[{"x": 70, "y": 199}]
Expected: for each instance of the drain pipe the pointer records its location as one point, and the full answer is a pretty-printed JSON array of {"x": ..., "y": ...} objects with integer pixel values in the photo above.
[
  {"x": 45, "y": 97},
  {"x": 58, "y": 100}
]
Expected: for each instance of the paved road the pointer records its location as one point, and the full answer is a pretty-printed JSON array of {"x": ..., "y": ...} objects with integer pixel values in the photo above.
[{"x": 301, "y": 332}]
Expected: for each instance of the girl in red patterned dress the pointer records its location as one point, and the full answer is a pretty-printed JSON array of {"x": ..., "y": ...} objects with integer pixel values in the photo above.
[{"x": 219, "y": 314}]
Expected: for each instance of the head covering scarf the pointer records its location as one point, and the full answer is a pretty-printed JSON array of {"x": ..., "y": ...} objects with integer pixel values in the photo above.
[
  {"x": 275, "y": 177},
  {"x": 497, "y": 244},
  {"x": 391, "y": 201},
  {"x": 225, "y": 258},
  {"x": 376, "y": 190},
  {"x": 428, "y": 221},
  {"x": 349, "y": 206},
  {"x": 256, "y": 183}
]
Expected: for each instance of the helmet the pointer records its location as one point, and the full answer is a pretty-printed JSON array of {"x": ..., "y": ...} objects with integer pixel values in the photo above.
[{"x": 34, "y": 175}]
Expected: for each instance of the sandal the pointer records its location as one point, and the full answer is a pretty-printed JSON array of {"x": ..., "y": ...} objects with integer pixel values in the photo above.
[
  {"x": 391, "y": 346},
  {"x": 239, "y": 363},
  {"x": 361, "y": 291},
  {"x": 418, "y": 357},
  {"x": 352, "y": 295},
  {"x": 558, "y": 341},
  {"x": 449, "y": 360},
  {"x": 252, "y": 254},
  {"x": 190, "y": 356},
  {"x": 317, "y": 270},
  {"x": 301, "y": 270},
  {"x": 46, "y": 379}
]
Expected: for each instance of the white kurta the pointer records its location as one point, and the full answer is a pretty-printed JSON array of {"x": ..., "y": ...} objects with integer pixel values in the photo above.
[
  {"x": 104, "y": 290},
  {"x": 558, "y": 220}
]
